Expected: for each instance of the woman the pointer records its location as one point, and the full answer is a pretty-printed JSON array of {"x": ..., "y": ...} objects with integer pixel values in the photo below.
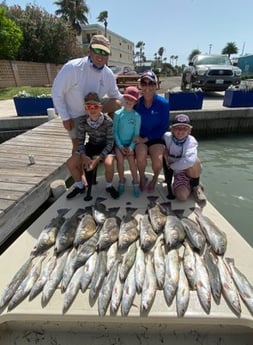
[{"x": 154, "y": 112}]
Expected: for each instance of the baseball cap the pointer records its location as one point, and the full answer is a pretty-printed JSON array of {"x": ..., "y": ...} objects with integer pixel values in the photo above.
[
  {"x": 100, "y": 42},
  {"x": 149, "y": 75},
  {"x": 181, "y": 120},
  {"x": 132, "y": 92},
  {"x": 91, "y": 98}
]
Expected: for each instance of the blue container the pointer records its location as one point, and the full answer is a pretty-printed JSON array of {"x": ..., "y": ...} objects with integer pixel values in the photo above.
[
  {"x": 32, "y": 106},
  {"x": 238, "y": 98},
  {"x": 185, "y": 100}
]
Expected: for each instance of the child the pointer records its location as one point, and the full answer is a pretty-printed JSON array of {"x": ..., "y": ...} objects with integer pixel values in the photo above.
[
  {"x": 181, "y": 159},
  {"x": 98, "y": 127},
  {"x": 126, "y": 125}
]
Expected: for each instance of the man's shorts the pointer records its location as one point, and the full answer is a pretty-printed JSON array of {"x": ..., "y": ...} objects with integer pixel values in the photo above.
[{"x": 74, "y": 131}]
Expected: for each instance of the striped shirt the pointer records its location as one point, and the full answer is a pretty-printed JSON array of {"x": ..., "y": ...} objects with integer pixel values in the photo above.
[{"x": 101, "y": 136}]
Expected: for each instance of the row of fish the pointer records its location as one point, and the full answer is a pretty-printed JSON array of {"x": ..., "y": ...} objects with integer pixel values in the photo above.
[{"x": 117, "y": 258}]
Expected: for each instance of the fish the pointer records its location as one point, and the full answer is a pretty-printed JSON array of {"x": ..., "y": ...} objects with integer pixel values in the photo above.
[
  {"x": 112, "y": 255},
  {"x": 128, "y": 260},
  {"x": 147, "y": 234},
  {"x": 128, "y": 293},
  {"x": 72, "y": 289},
  {"x": 158, "y": 260},
  {"x": 194, "y": 233},
  {"x": 117, "y": 292},
  {"x": 243, "y": 285},
  {"x": 216, "y": 237},
  {"x": 229, "y": 290},
  {"x": 213, "y": 272},
  {"x": 109, "y": 232},
  {"x": 69, "y": 268},
  {"x": 16, "y": 280},
  {"x": 85, "y": 250},
  {"x": 99, "y": 211},
  {"x": 149, "y": 285},
  {"x": 174, "y": 232},
  {"x": 189, "y": 264},
  {"x": 105, "y": 292},
  {"x": 48, "y": 235},
  {"x": 85, "y": 229},
  {"x": 156, "y": 214},
  {"x": 67, "y": 231},
  {"x": 140, "y": 267},
  {"x": 88, "y": 270},
  {"x": 128, "y": 231},
  {"x": 183, "y": 292},
  {"x": 25, "y": 287},
  {"x": 202, "y": 283},
  {"x": 171, "y": 275},
  {"x": 54, "y": 279},
  {"x": 98, "y": 275},
  {"x": 44, "y": 276}
]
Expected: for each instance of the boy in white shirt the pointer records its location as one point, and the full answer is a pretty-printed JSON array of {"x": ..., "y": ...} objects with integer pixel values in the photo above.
[{"x": 181, "y": 160}]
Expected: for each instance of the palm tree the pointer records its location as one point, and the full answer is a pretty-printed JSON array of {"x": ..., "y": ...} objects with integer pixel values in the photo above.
[
  {"x": 102, "y": 18},
  {"x": 230, "y": 48},
  {"x": 171, "y": 59},
  {"x": 140, "y": 45},
  {"x": 74, "y": 12},
  {"x": 160, "y": 52},
  {"x": 175, "y": 58},
  {"x": 193, "y": 53}
]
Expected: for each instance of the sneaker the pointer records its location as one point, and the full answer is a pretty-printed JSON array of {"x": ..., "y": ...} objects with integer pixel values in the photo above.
[
  {"x": 136, "y": 190},
  {"x": 121, "y": 188},
  {"x": 112, "y": 191},
  {"x": 199, "y": 194},
  {"x": 75, "y": 192}
]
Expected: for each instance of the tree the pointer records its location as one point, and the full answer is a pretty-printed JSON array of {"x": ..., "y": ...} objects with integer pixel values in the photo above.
[
  {"x": 193, "y": 53},
  {"x": 140, "y": 45},
  {"x": 11, "y": 36},
  {"x": 46, "y": 37},
  {"x": 230, "y": 48},
  {"x": 102, "y": 18},
  {"x": 74, "y": 12}
]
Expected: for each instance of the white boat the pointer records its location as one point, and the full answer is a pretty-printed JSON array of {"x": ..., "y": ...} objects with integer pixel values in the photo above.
[{"x": 30, "y": 323}]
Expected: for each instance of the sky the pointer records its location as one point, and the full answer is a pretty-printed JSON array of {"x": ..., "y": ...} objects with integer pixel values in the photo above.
[{"x": 180, "y": 26}]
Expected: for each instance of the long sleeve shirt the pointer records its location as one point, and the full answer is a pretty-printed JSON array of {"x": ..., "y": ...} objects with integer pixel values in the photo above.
[
  {"x": 126, "y": 125},
  {"x": 75, "y": 80},
  {"x": 101, "y": 136},
  {"x": 182, "y": 156},
  {"x": 154, "y": 120}
]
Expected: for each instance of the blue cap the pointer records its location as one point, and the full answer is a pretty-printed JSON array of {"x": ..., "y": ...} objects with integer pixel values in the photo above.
[{"x": 149, "y": 75}]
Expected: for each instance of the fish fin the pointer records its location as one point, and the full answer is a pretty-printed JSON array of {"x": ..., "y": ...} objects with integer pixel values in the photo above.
[
  {"x": 62, "y": 211},
  {"x": 99, "y": 200},
  {"x": 113, "y": 211},
  {"x": 130, "y": 210},
  {"x": 152, "y": 199}
]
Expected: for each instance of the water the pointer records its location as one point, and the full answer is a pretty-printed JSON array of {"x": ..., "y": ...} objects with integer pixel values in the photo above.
[{"x": 228, "y": 179}]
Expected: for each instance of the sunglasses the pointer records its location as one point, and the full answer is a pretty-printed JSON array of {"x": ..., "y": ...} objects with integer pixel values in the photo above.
[
  {"x": 144, "y": 83},
  {"x": 92, "y": 106},
  {"x": 99, "y": 52}
]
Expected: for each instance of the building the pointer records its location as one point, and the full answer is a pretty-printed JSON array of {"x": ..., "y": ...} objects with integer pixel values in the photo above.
[{"x": 122, "y": 50}]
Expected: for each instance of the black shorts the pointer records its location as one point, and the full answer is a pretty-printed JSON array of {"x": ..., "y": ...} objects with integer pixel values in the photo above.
[
  {"x": 155, "y": 141},
  {"x": 95, "y": 150}
]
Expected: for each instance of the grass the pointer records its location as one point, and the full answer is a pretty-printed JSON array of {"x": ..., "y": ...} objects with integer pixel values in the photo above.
[{"x": 10, "y": 92}]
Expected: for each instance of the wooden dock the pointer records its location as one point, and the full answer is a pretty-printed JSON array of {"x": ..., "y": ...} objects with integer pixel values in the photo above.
[{"x": 25, "y": 187}]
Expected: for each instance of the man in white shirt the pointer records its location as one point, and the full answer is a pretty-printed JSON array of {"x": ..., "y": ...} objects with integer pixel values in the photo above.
[{"x": 80, "y": 76}]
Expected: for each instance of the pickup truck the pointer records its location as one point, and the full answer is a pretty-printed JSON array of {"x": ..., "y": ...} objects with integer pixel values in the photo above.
[{"x": 210, "y": 73}]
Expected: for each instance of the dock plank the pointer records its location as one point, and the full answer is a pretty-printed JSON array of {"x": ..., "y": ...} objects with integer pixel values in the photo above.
[{"x": 24, "y": 187}]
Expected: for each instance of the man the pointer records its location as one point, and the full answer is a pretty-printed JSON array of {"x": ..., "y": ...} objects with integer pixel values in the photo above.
[{"x": 80, "y": 76}]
